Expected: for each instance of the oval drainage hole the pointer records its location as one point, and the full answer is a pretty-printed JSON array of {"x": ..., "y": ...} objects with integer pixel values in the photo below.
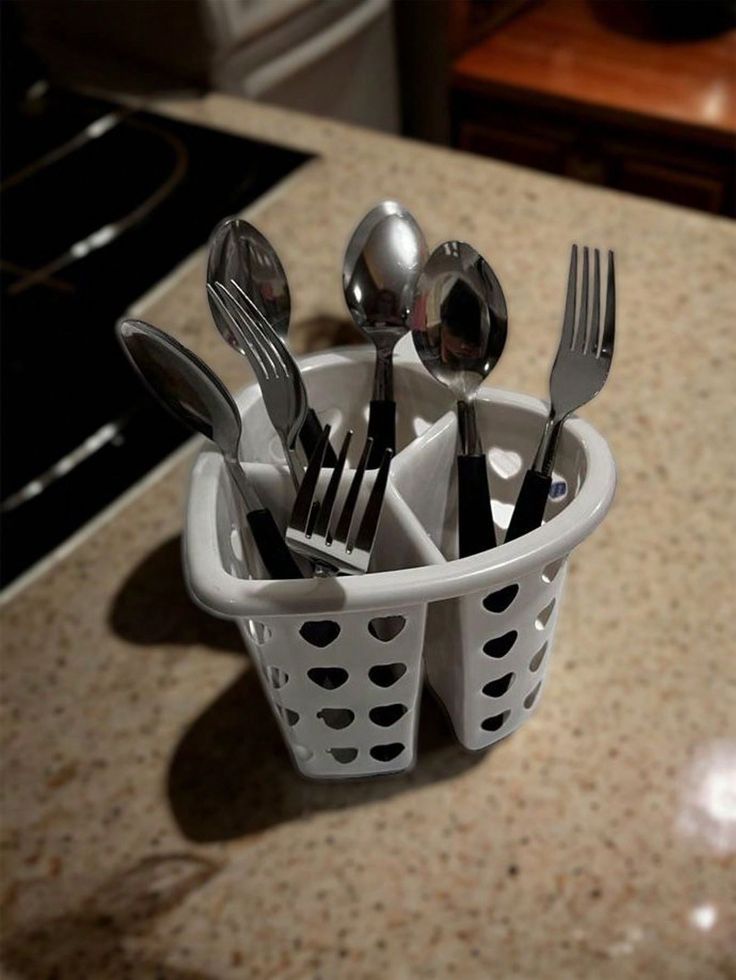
[
  {"x": 277, "y": 677},
  {"x": 532, "y": 696},
  {"x": 289, "y": 716},
  {"x": 236, "y": 544},
  {"x": 343, "y": 755},
  {"x": 499, "y": 646},
  {"x": 386, "y": 628},
  {"x": 385, "y": 753},
  {"x": 387, "y": 714},
  {"x": 495, "y": 722},
  {"x": 385, "y": 675},
  {"x": 543, "y": 618},
  {"x": 536, "y": 661},
  {"x": 320, "y": 633},
  {"x": 336, "y": 717},
  {"x": 330, "y": 678},
  {"x": 550, "y": 572},
  {"x": 497, "y": 688},
  {"x": 505, "y": 462},
  {"x": 258, "y": 632},
  {"x": 499, "y": 601}
]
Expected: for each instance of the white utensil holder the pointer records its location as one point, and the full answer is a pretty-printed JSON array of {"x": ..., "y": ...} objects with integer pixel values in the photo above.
[{"x": 346, "y": 695}]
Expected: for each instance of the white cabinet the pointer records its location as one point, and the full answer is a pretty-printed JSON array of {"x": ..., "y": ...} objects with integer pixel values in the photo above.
[{"x": 334, "y": 58}]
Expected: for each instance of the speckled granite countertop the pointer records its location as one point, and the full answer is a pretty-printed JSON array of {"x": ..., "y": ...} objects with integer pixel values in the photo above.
[{"x": 152, "y": 826}]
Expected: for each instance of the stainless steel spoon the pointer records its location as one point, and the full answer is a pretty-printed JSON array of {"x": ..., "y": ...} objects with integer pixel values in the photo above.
[
  {"x": 194, "y": 394},
  {"x": 360, "y": 235},
  {"x": 459, "y": 325},
  {"x": 240, "y": 253},
  {"x": 382, "y": 264}
]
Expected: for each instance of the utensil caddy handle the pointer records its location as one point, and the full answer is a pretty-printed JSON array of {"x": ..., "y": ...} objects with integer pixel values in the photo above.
[{"x": 346, "y": 695}]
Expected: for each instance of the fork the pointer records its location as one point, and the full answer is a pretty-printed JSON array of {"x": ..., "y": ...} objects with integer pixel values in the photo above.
[
  {"x": 327, "y": 541},
  {"x": 579, "y": 372},
  {"x": 279, "y": 378}
]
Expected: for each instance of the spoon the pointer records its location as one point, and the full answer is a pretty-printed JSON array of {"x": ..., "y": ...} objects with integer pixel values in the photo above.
[
  {"x": 361, "y": 233},
  {"x": 382, "y": 264},
  {"x": 459, "y": 325},
  {"x": 191, "y": 391},
  {"x": 240, "y": 253}
]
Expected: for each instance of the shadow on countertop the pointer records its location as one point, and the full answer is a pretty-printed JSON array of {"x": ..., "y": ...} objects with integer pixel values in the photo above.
[
  {"x": 153, "y": 607},
  {"x": 92, "y": 940},
  {"x": 231, "y": 774}
]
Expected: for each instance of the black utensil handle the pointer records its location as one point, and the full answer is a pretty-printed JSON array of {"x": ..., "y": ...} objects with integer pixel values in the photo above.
[
  {"x": 310, "y": 434},
  {"x": 382, "y": 430},
  {"x": 475, "y": 517},
  {"x": 276, "y": 556},
  {"x": 530, "y": 504}
]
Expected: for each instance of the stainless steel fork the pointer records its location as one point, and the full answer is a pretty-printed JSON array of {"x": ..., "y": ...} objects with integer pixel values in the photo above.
[
  {"x": 310, "y": 531},
  {"x": 578, "y": 374},
  {"x": 278, "y": 375}
]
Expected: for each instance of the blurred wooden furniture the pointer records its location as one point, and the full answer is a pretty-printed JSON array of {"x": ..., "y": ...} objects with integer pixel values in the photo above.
[{"x": 558, "y": 89}]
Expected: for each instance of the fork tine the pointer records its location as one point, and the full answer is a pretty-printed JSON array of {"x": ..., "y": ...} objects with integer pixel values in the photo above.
[
  {"x": 259, "y": 323},
  {"x": 346, "y": 517},
  {"x": 372, "y": 514},
  {"x": 260, "y": 368},
  {"x": 568, "y": 323},
  {"x": 253, "y": 310},
  {"x": 245, "y": 327},
  {"x": 314, "y": 512},
  {"x": 302, "y": 510},
  {"x": 609, "y": 321},
  {"x": 591, "y": 343},
  {"x": 323, "y": 523},
  {"x": 247, "y": 324},
  {"x": 583, "y": 311}
]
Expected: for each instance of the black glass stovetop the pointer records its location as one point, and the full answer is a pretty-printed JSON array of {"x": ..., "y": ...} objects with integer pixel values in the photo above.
[{"x": 99, "y": 204}]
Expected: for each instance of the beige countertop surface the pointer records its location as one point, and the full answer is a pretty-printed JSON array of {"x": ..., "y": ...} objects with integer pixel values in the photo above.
[{"x": 152, "y": 824}]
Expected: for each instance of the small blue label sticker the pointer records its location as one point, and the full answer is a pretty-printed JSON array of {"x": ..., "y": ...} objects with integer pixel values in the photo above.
[{"x": 557, "y": 490}]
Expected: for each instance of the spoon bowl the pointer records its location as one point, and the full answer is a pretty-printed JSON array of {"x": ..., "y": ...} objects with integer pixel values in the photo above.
[
  {"x": 459, "y": 326},
  {"x": 240, "y": 254},
  {"x": 362, "y": 232},
  {"x": 239, "y": 251},
  {"x": 193, "y": 393},
  {"x": 184, "y": 383},
  {"x": 459, "y": 318},
  {"x": 380, "y": 289},
  {"x": 383, "y": 261}
]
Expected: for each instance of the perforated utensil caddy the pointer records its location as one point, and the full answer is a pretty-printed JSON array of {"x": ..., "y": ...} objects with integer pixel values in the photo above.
[{"x": 346, "y": 695}]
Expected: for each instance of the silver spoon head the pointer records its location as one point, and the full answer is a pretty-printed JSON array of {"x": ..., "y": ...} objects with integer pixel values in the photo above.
[
  {"x": 183, "y": 383},
  {"x": 362, "y": 232},
  {"x": 379, "y": 278},
  {"x": 239, "y": 251},
  {"x": 459, "y": 319}
]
